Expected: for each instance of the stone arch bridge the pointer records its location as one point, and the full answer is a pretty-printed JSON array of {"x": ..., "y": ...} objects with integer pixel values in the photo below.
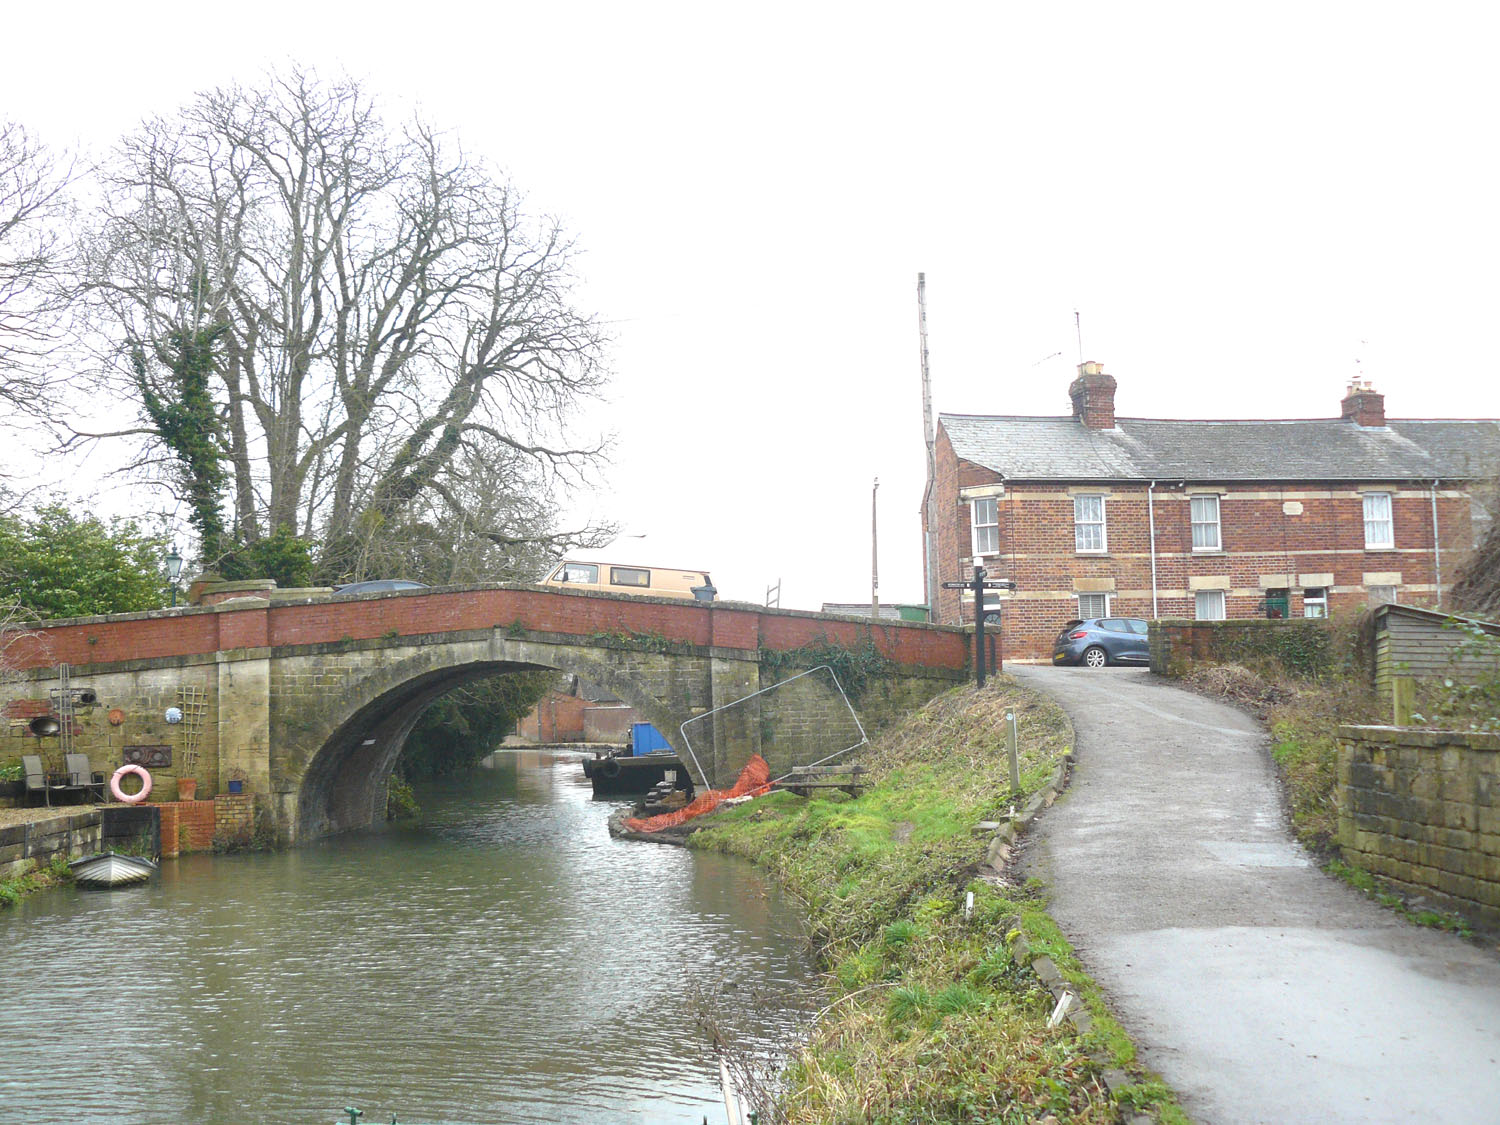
[{"x": 306, "y": 700}]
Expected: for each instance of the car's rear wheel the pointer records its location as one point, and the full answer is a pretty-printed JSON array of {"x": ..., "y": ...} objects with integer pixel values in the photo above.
[{"x": 1095, "y": 657}]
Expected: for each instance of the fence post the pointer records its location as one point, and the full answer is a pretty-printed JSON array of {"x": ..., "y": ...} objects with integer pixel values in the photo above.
[
  {"x": 1403, "y": 700},
  {"x": 1010, "y": 742}
]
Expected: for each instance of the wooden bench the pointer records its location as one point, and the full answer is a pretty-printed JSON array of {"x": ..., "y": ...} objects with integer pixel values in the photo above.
[{"x": 803, "y": 779}]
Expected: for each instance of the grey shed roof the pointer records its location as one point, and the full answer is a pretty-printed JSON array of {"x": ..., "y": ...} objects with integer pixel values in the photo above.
[
  {"x": 1331, "y": 449},
  {"x": 858, "y": 609}
]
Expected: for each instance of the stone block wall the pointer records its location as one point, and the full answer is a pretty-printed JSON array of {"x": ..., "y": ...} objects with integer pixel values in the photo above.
[
  {"x": 234, "y": 817},
  {"x": 1421, "y": 809},
  {"x": 68, "y": 834},
  {"x": 804, "y": 720},
  {"x": 890, "y": 698},
  {"x": 131, "y": 708}
]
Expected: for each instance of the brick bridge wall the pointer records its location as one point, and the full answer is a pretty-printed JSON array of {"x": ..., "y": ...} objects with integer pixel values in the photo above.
[
  {"x": 1421, "y": 809},
  {"x": 309, "y": 703}
]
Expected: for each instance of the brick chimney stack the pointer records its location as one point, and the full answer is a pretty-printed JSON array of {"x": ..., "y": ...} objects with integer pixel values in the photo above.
[
  {"x": 1093, "y": 395},
  {"x": 1363, "y": 405}
]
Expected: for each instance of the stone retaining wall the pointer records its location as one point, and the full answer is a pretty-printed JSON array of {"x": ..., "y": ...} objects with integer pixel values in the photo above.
[
  {"x": 1421, "y": 809},
  {"x": 75, "y": 834},
  {"x": 69, "y": 834},
  {"x": 173, "y": 828},
  {"x": 234, "y": 818}
]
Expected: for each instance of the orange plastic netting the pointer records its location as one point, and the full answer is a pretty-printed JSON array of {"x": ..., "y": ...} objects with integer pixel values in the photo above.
[{"x": 751, "y": 783}]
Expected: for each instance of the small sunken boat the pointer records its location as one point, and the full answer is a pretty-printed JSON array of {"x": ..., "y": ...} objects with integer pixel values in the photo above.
[{"x": 110, "y": 869}]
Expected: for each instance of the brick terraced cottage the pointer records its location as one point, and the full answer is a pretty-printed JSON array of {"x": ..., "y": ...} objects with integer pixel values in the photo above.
[{"x": 1093, "y": 515}]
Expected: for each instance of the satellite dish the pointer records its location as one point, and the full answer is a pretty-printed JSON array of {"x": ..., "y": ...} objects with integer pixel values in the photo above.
[
  {"x": 174, "y": 714},
  {"x": 44, "y": 725}
]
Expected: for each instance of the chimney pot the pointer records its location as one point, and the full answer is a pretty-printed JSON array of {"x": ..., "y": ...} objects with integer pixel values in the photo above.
[
  {"x": 1093, "y": 395},
  {"x": 1363, "y": 404}
]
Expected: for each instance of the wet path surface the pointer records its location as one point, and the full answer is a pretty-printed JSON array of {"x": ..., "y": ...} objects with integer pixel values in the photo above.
[
  {"x": 1260, "y": 988},
  {"x": 505, "y": 962}
]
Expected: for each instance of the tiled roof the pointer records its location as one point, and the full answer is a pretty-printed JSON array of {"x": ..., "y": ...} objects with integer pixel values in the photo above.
[{"x": 1155, "y": 449}]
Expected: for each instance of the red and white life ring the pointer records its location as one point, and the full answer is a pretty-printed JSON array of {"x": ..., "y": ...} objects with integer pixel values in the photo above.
[{"x": 124, "y": 771}]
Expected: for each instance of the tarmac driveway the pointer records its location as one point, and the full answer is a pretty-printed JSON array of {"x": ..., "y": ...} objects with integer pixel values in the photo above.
[{"x": 1260, "y": 988}]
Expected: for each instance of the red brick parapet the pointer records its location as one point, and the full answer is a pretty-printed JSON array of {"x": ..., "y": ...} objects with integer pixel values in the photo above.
[{"x": 255, "y": 623}]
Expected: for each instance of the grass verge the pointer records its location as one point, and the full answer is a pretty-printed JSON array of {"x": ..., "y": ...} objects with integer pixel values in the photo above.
[
  {"x": 931, "y": 1017},
  {"x": 34, "y": 878}
]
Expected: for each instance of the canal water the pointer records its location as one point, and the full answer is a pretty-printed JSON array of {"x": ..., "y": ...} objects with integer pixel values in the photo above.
[{"x": 506, "y": 961}]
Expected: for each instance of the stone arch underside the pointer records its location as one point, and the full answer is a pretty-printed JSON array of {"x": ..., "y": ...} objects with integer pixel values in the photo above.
[{"x": 348, "y": 761}]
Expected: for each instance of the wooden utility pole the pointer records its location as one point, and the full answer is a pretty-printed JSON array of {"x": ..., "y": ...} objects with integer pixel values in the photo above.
[{"x": 930, "y": 438}]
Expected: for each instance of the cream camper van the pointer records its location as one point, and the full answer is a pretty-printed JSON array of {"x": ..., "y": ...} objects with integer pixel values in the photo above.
[{"x": 655, "y": 581}]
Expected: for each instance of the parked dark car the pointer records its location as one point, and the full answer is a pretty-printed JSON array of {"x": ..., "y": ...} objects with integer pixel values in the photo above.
[
  {"x": 1098, "y": 641},
  {"x": 379, "y": 586}
]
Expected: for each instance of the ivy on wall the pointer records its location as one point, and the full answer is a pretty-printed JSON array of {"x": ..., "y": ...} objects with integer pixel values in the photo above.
[
  {"x": 855, "y": 667},
  {"x": 1310, "y": 648}
]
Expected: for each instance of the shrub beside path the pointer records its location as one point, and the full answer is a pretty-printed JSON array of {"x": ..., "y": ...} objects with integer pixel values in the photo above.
[{"x": 1260, "y": 988}]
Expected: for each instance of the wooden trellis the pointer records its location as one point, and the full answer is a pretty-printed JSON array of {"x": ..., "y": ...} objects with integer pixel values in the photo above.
[{"x": 193, "y": 702}]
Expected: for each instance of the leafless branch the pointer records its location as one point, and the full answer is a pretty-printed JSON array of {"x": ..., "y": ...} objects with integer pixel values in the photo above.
[
  {"x": 383, "y": 296},
  {"x": 33, "y": 206}
]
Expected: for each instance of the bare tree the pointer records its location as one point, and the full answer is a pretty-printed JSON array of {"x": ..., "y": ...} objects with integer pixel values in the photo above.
[
  {"x": 1477, "y": 588},
  {"x": 447, "y": 536},
  {"x": 376, "y": 300},
  {"x": 32, "y": 203}
]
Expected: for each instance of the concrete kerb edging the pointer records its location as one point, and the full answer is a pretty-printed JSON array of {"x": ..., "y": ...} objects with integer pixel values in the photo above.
[{"x": 1002, "y": 843}]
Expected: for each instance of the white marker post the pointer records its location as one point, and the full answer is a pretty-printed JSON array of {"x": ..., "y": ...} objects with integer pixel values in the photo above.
[{"x": 1011, "y": 737}]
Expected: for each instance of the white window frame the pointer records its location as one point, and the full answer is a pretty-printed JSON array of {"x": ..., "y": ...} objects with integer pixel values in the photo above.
[
  {"x": 1317, "y": 605},
  {"x": 1080, "y": 525},
  {"x": 990, "y": 544},
  {"x": 1210, "y": 527},
  {"x": 1209, "y": 605},
  {"x": 1378, "y": 521},
  {"x": 1083, "y": 615},
  {"x": 1375, "y": 598}
]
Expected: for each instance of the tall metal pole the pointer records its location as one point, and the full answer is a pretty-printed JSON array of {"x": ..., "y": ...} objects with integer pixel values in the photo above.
[
  {"x": 930, "y": 438},
  {"x": 874, "y": 556}
]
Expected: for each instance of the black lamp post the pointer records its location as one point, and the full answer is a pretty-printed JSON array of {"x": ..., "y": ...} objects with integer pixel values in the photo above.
[{"x": 174, "y": 568}]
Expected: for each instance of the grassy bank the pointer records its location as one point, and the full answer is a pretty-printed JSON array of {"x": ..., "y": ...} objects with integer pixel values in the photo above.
[
  {"x": 930, "y": 1016},
  {"x": 35, "y": 878}
]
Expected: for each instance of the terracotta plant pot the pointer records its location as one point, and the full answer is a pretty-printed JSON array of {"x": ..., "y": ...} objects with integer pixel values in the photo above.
[{"x": 187, "y": 788}]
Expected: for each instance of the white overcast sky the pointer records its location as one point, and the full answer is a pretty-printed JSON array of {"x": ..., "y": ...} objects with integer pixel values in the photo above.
[{"x": 1248, "y": 204}]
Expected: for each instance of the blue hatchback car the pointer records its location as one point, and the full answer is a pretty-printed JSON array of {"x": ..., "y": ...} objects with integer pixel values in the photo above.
[{"x": 1098, "y": 641}]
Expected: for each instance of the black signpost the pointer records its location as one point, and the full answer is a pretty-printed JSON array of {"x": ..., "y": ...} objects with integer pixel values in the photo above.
[{"x": 979, "y": 584}]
